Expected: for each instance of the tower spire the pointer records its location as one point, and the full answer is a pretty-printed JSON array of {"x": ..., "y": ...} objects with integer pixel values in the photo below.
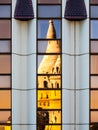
[{"x": 51, "y": 33}]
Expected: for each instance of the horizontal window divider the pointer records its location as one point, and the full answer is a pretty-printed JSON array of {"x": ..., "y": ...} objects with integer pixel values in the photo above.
[
  {"x": 46, "y": 18},
  {"x": 5, "y": 53},
  {"x": 6, "y": 124},
  {"x": 49, "y": 109},
  {"x": 93, "y": 53},
  {"x": 93, "y": 109},
  {"x": 5, "y": 89},
  {"x": 54, "y": 89},
  {"x": 4, "y": 39},
  {"x": 5, "y": 109},
  {"x": 49, "y": 74},
  {"x": 49, "y": 123},
  {"x": 51, "y": 4},
  {"x": 93, "y": 40},
  {"x": 75, "y": 89},
  {"x": 75, "y": 123},
  {"x": 94, "y": 89},
  {"x": 46, "y": 39},
  {"x": 5, "y": 18},
  {"x": 93, "y": 74},
  {"x": 49, "y": 53},
  {"x": 91, "y": 18},
  {"x": 5, "y": 74}
]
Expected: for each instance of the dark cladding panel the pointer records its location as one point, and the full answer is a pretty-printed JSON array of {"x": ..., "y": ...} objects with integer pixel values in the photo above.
[
  {"x": 24, "y": 10},
  {"x": 75, "y": 10}
]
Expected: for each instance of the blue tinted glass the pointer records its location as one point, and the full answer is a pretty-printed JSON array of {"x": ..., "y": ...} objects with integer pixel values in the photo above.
[
  {"x": 43, "y": 26},
  {"x": 49, "y": 11},
  {"x": 5, "y": 11},
  {"x": 94, "y": 29},
  {"x": 94, "y": 11}
]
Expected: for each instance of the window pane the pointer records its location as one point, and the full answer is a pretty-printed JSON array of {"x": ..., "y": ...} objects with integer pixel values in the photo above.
[
  {"x": 4, "y": 46},
  {"x": 43, "y": 26},
  {"x": 5, "y": 11},
  {"x": 94, "y": 46},
  {"x": 4, "y": 116},
  {"x": 5, "y": 99},
  {"x": 49, "y": 82},
  {"x": 94, "y": 99},
  {"x": 49, "y": 99},
  {"x": 94, "y": 116},
  {"x": 94, "y": 1},
  {"x": 49, "y": 1},
  {"x": 51, "y": 117},
  {"x": 47, "y": 11},
  {"x": 94, "y": 30},
  {"x": 94, "y": 64},
  {"x": 5, "y": 1},
  {"x": 4, "y": 63},
  {"x": 5, "y": 27},
  {"x": 4, "y": 81},
  {"x": 49, "y": 46},
  {"x": 47, "y": 64}
]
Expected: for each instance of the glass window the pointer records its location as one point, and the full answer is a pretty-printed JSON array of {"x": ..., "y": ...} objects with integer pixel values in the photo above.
[
  {"x": 94, "y": 99},
  {"x": 49, "y": 99},
  {"x": 4, "y": 64},
  {"x": 94, "y": 1},
  {"x": 49, "y": 46},
  {"x": 43, "y": 28},
  {"x": 5, "y": 1},
  {"x": 4, "y": 116},
  {"x": 94, "y": 30},
  {"x": 5, "y": 99},
  {"x": 4, "y": 46},
  {"x": 51, "y": 11},
  {"x": 94, "y": 46},
  {"x": 94, "y": 117},
  {"x": 5, "y": 11},
  {"x": 4, "y": 81},
  {"x": 5, "y": 27},
  {"x": 47, "y": 64},
  {"x": 49, "y": 82},
  {"x": 94, "y": 64},
  {"x": 49, "y": 1}
]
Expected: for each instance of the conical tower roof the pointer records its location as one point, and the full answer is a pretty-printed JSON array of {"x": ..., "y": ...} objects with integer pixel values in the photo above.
[
  {"x": 75, "y": 10},
  {"x": 49, "y": 61},
  {"x": 24, "y": 10},
  {"x": 51, "y": 33}
]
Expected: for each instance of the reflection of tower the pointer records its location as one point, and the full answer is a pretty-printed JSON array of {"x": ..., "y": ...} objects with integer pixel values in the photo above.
[
  {"x": 50, "y": 64},
  {"x": 48, "y": 61}
]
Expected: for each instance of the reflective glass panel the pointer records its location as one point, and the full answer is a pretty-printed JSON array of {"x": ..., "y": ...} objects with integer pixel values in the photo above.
[
  {"x": 5, "y": 27},
  {"x": 46, "y": 11},
  {"x": 5, "y": 1},
  {"x": 5, "y": 11},
  {"x": 5, "y": 64},
  {"x": 94, "y": 99},
  {"x": 94, "y": 30},
  {"x": 94, "y": 1},
  {"x": 94, "y": 116},
  {"x": 94, "y": 46},
  {"x": 5, "y": 99},
  {"x": 49, "y": 1},
  {"x": 4, "y": 46},
  {"x": 94, "y": 81},
  {"x": 94, "y": 64},
  {"x": 49, "y": 82},
  {"x": 4, "y": 81},
  {"x": 44, "y": 30},
  {"x": 48, "y": 64},
  {"x": 94, "y": 10},
  {"x": 49, "y": 46},
  {"x": 4, "y": 116},
  {"x": 51, "y": 117},
  {"x": 49, "y": 99}
]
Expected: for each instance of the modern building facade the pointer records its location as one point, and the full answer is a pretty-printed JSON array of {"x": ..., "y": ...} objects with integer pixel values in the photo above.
[{"x": 48, "y": 64}]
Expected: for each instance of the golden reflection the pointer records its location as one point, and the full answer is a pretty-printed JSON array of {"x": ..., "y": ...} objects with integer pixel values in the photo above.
[{"x": 49, "y": 99}]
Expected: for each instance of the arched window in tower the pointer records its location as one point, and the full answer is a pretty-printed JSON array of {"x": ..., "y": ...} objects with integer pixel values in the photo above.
[
  {"x": 45, "y": 84},
  {"x": 57, "y": 85},
  {"x": 57, "y": 70}
]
